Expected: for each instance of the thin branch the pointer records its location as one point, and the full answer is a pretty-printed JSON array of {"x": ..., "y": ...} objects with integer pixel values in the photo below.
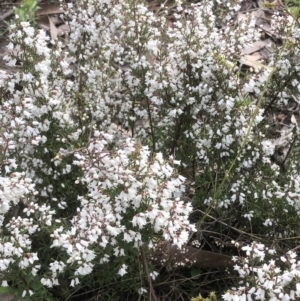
[
  {"x": 6, "y": 15},
  {"x": 151, "y": 124},
  {"x": 289, "y": 152},
  {"x": 152, "y": 296}
]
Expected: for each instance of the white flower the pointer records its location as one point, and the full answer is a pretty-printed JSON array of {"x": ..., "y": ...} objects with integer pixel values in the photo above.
[
  {"x": 74, "y": 282},
  {"x": 122, "y": 271},
  {"x": 4, "y": 283},
  {"x": 47, "y": 282},
  {"x": 139, "y": 220},
  {"x": 84, "y": 269},
  {"x": 142, "y": 291},
  {"x": 267, "y": 222},
  {"x": 154, "y": 274}
]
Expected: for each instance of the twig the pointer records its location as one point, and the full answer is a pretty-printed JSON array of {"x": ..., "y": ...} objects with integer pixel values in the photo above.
[
  {"x": 236, "y": 229},
  {"x": 6, "y": 15},
  {"x": 152, "y": 296},
  {"x": 289, "y": 152},
  {"x": 151, "y": 124}
]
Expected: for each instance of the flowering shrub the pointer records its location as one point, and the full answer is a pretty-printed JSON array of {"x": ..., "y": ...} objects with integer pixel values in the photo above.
[{"x": 109, "y": 136}]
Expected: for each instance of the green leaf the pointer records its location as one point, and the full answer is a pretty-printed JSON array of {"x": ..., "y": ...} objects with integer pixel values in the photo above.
[
  {"x": 4, "y": 290},
  {"x": 195, "y": 273},
  {"x": 294, "y": 11}
]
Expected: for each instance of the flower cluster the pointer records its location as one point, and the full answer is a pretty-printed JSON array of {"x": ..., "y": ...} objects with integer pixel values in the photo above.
[
  {"x": 127, "y": 193},
  {"x": 275, "y": 279}
]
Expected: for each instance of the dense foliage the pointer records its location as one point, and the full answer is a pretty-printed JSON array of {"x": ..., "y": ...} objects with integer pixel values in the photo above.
[{"x": 139, "y": 127}]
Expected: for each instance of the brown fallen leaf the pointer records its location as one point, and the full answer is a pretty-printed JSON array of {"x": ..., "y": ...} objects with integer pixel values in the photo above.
[
  {"x": 251, "y": 62},
  {"x": 256, "y": 46},
  {"x": 246, "y": 5},
  {"x": 49, "y": 9},
  {"x": 254, "y": 57},
  {"x": 62, "y": 29},
  {"x": 241, "y": 17},
  {"x": 170, "y": 256},
  {"x": 258, "y": 14},
  {"x": 53, "y": 29},
  {"x": 266, "y": 27},
  {"x": 45, "y": 22},
  {"x": 56, "y": 19}
]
